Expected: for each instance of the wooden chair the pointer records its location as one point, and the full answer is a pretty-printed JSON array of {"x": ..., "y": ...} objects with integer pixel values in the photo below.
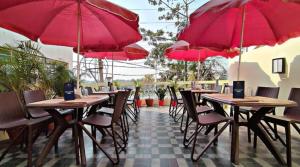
[
  {"x": 105, "y": 122},
  {"x": 209, "y": 119},
  {"x": 32, "y": 96},
  {"x": 13, "y": 118},
  {"x": 261, "y": 91},
  {"x": 291, "y": 116}
]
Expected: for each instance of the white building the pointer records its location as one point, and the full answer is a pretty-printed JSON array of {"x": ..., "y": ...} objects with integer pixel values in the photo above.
[{"x": 53, "y": 52}]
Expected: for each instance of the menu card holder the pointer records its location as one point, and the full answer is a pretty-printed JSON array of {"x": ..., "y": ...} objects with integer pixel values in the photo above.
[
  {"x": 69, "y": 93},
  {"x": 238, "y": 89}
]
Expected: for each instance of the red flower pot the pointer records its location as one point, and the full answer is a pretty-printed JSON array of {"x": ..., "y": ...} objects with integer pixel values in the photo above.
[
  {"x": 149, "y": 102},
  {"x": 139, "y": 103},
  {"x": 173, "y": 103},
  {"x": 161, "y": 102}
]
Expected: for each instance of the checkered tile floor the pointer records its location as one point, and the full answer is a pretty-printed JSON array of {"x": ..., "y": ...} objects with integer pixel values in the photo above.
[{"x": 156, "y": 141}]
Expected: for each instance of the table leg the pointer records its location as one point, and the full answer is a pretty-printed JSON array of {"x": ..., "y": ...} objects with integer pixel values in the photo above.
[
  {"x": 235, "y": 141},
  {"x": 80, "y": 137},
  {"x": 254, "y": 125},
  {"x": 61, "y": 126}
]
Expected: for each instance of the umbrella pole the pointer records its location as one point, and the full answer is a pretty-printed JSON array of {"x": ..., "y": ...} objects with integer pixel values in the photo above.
[
  {"x": 112, "y": 68},
  {"x": 241, "y": 41},
  {"x": 78, "y": 44},
  {"x": 199, "y": 66}
]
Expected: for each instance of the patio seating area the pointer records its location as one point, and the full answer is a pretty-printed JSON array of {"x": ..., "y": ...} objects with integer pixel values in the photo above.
[
  {"x": 179, "y": 83},
  {"x": 156, "y": 140}
]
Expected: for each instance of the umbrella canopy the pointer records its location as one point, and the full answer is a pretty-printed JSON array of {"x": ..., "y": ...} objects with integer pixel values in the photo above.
[
  {"x": 220, "y": 23},
  {"x": 130, "y": 52},
  {"x": 181, "y": 50},
  {"x": 75, "y": 23},
  {"x": 227, "y": 24}
]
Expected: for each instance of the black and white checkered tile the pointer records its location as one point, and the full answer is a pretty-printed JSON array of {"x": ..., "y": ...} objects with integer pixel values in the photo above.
[{"x": 156, "y": 141}]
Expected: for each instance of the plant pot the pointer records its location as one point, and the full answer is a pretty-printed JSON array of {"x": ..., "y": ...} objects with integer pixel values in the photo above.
[
  {"x": 139, "y": 102},
  {"x": 149, "y": 102},
  {"x": 161, "y": 103},
  {"x": 173, "y": 103}
]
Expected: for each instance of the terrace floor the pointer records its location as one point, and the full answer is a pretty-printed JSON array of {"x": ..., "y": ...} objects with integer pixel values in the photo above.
[{"x": 156, "y": 141}]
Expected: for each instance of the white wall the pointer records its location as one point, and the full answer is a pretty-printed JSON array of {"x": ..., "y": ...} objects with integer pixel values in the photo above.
[{"x": 53, "y": 52}]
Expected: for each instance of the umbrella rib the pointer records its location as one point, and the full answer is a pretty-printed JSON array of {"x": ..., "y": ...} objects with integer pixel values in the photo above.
[
  {"x": 51, "y": 20},
  {"x": 113, "y": 37}
]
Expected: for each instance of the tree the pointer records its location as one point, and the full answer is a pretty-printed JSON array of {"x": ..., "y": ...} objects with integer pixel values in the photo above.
[{"x": 171, "y": 10}]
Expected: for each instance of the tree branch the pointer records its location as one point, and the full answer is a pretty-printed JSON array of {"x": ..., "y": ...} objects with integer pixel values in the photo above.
[{"x": 167, "y": 5}]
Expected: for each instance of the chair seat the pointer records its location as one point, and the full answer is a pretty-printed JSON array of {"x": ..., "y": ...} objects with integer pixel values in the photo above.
[
  {"x": 38, "y": 113},
  {"x": 98, "y": 120},
  {"x": 24, "y": 122},
  {"x": 284, "y": 118},
  {"x": 203, "y": 109},
  {"x": 211, "y": 119}
]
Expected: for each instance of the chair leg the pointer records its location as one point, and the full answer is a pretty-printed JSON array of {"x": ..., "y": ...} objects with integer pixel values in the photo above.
[
  {"x": 116, "y": 146},
  {"x": 288, "y": 145},
  {"x": 29, "y": 147},
  {"x": 194, "y": 143},
  {"x": 215, "y": 133},
  {"x": 94, "y": 134},
  {"x": 12, "y": 143},
  {"x": 185, "y": 132},
  {"x": 181, "y": 122},
  {"x": 211, "y": 141},
  {"x": 248, "y": 129}
]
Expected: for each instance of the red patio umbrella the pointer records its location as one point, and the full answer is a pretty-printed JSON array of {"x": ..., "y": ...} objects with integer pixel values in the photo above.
[
  {"x": 182, "y": 51},
  {"x": 241, "y": 23},
  {"x": 75, "y": 23},
  {"x": 130, "y": 52}
]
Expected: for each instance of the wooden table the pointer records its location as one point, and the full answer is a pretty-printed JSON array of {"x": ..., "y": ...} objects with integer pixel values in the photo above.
[
  {"x": 61, "y": 124},
  {"x": 203, "y": 91},
  {"x": 264, "y": 105}
]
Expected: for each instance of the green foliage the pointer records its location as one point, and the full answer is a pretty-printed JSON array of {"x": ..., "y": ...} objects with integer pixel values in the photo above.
[
  {"x": 22, "y": 68},
  {"x": 116, "y": 84},
  {"x": 59, "y": 77},
  {"x": 161, "y": 93},
  {"x": 148, "y": 79}
]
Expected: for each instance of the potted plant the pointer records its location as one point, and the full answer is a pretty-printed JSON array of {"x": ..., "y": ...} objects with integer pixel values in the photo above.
[
  {"x": 161, "y": 93},
  {"x": 149, "y": 101},
  {"x": 138, "y": 83}
]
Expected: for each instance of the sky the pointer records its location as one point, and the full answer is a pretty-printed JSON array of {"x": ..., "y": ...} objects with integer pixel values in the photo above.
[{"x": 148, "y": 15}]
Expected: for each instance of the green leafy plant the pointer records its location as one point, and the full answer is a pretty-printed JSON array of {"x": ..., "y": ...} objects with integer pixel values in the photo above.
[
  {"x": 59, "y": 77},
  {"x": 161, "y": 93},
  {"x": 22, "y": 68},
  {"x": 116, "y": 84}
]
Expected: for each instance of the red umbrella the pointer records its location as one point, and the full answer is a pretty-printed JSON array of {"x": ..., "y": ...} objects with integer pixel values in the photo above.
[
  {"x": 75, "y": 23},
  {"x": 130, "y": 52},
  {"x": 181, "y": 51},
  {"x": 241, "y": 23}
]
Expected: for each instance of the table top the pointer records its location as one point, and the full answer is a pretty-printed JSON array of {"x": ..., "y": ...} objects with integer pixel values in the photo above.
[
  {"x": 85, "y": 101},
  {"x": 203, "y": 91},
  {"x": 250, "y": 101}
]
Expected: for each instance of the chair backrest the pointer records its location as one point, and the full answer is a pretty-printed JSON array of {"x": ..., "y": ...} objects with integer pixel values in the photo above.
[
  {"x": 267, "y": 91},
  {"x": 189, "y": 103},
  {"x": 31, "y": 97},
  {"x": 10, "y": 108},
  {"x": 89, "y": 90},
  {"x": 121, "y": 99},
  {"x": 174, "y": 93},
  {"x": 137, "y": 93},
  {"x": 294, "y": 111},
  {"x": 170, "y": 92}
]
